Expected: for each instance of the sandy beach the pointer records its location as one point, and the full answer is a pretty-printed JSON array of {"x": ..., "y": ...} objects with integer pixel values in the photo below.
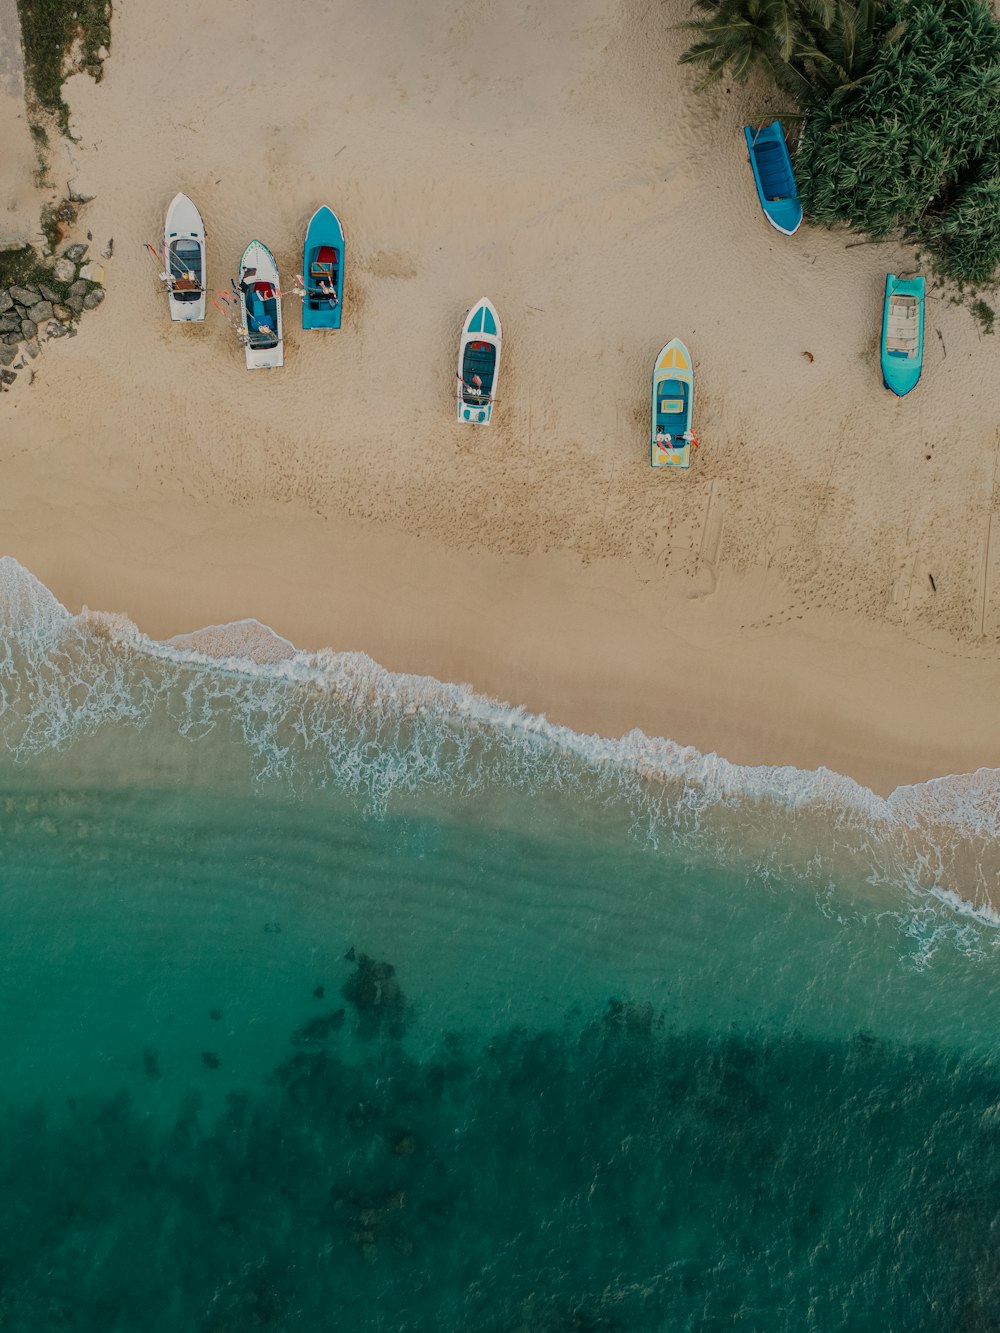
[{"x": 823, "y": 587}]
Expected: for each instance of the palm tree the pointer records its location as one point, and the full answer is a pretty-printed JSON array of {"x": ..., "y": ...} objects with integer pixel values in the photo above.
[
  {"x": 737, "y": 36},
  {"x": 838, "y": 42}
]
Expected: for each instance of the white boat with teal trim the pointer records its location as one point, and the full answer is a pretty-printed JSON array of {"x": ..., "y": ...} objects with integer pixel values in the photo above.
[
  {"x": 184, "y": 258},
  {"x": 671, "y": 436},
  {"x": 478, "y": 363},
  {"x": 260, "y": 308}
]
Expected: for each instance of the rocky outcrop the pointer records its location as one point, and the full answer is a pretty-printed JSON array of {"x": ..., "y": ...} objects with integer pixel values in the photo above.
[{"x": 45, "y": 305}]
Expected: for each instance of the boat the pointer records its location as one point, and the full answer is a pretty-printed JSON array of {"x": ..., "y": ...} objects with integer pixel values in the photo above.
[
  {"x": 902, "y": 333},
  {"x": 479, "y": 363},
  {"x": 671, "y": 437},
  {"x": 774, "y": 176},
  {"x": 184, "y": 257},
  {"x": 323, "y": 271},
  {"x": 260, "y": 308}
]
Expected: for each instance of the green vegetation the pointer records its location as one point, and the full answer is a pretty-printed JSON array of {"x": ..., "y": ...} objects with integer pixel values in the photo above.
[
  {"x": 25, "y": 266},
  {"x": 49, "y": 29},
  {"x": 900, "y": 108},
  {"x": 985, "y": 314},
  {"x": 50, "y": 227}
]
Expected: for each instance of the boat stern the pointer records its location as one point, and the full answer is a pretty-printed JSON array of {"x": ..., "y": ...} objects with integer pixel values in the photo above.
[
  {"x": 476, "y": 414},
  {"x": 271, "y": 358},
  {"x": 668, "y": 455},
  {"x": 186, "y": 312}
]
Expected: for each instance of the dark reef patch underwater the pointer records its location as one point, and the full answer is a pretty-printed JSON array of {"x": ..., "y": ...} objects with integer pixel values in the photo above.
[
  {"x": 624, "y": 1176},
  {"x": 337, "y": 1000}
]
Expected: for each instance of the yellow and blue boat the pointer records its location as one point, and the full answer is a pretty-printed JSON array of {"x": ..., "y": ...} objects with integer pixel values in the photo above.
[
  {"x": 774, "y": 177},
  {"x": 671, "y": 437},
  {"x": 902, "y": 333},
  {"x": 323, "y": 271}
]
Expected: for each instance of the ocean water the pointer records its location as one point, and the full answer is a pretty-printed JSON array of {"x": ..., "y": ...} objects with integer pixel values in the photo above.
[{"x": 331, "y": 999}]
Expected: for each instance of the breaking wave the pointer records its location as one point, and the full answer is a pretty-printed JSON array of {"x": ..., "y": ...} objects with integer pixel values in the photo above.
[{"x": 332, "y": 719}]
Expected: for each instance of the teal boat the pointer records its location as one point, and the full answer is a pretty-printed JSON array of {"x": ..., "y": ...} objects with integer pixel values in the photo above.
[
  {"x": 478, "y": 363},
  {"x": 774, "y": 176},
  {"x": 902, "y": 333},
  {"x": 323, "y": 271}
]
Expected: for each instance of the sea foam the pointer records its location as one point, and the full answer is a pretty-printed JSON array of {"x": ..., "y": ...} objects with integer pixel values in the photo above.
[{"x": 329, "y": 718}]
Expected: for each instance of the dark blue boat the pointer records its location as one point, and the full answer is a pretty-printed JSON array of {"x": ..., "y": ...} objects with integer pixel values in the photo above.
[
  {"x": 774, "y": 176},
  {"x": 323, "y": 271}
]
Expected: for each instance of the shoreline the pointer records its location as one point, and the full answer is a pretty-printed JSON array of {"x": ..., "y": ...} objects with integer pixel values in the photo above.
[
  {"x": 822, "y": 589},
  {"x": 839, "y": 696}
]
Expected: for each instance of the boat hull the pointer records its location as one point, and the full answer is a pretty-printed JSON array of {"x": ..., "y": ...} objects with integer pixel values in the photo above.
[
  {"x": 478, "y": 363},
  {"x": 184, "y": 257},
  {"x": 672, "y": 406},
  {"x": 260, "y": 314},
  {"x": 902, "y": 349},
  {"x": 774, "y": 177},
  {"x": 323, "y": 235}
]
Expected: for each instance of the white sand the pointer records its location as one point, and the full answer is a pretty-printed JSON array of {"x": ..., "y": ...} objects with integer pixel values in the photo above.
[{"x": 775, "y": 603}]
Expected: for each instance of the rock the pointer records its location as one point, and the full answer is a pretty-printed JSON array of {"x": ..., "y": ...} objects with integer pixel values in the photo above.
[
  {"x": 92, "y": 273},
  {"x": 75, "y": 252},
  {"x": 79, "y": 288},
  {"x": 109, "y": 249},
  {"x": 93, "y": 299},
  {"x": 9, "y": 324},
  {"x": 32, "y": 348},
  {"x": 55, "y": 330},
  {"x": 8, "y": 376},
  {"x": 62, "y": 314},
  {"x": 48, "y": 294},
  {"x": 28, "y": 328},
  {"x": 6, "y": 301},
  {"x": 7, "y": 355},
  {"x": 65, "y": 270},
  {"x": 8, "y": 243},
  {"x": 377, "y": 998},
  {"x": 26, "y": 296},
  {"x": 12, "y": 339},
  {"x": 66, "y": 212},
  {"x": 40, "y": 312},
  {"x": 75, "y": 197},
  {"x": 74, "y": 303}
]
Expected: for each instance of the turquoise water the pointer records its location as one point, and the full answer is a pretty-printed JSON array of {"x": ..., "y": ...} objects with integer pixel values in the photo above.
[{"x": 334, "y": 1000}]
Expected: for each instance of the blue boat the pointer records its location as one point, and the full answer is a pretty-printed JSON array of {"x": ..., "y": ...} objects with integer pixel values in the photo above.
[
  {"x": 902, "y": 333},
  {"x": 775, "y": 179},
  {"x": 323, "y": 271}
]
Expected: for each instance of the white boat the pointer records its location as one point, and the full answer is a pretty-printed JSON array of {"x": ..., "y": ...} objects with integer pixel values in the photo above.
[
  {"x": 479, "y": 363},
  {"x": 260, "y": 308},
  {"x": 184, "y": 256}
]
